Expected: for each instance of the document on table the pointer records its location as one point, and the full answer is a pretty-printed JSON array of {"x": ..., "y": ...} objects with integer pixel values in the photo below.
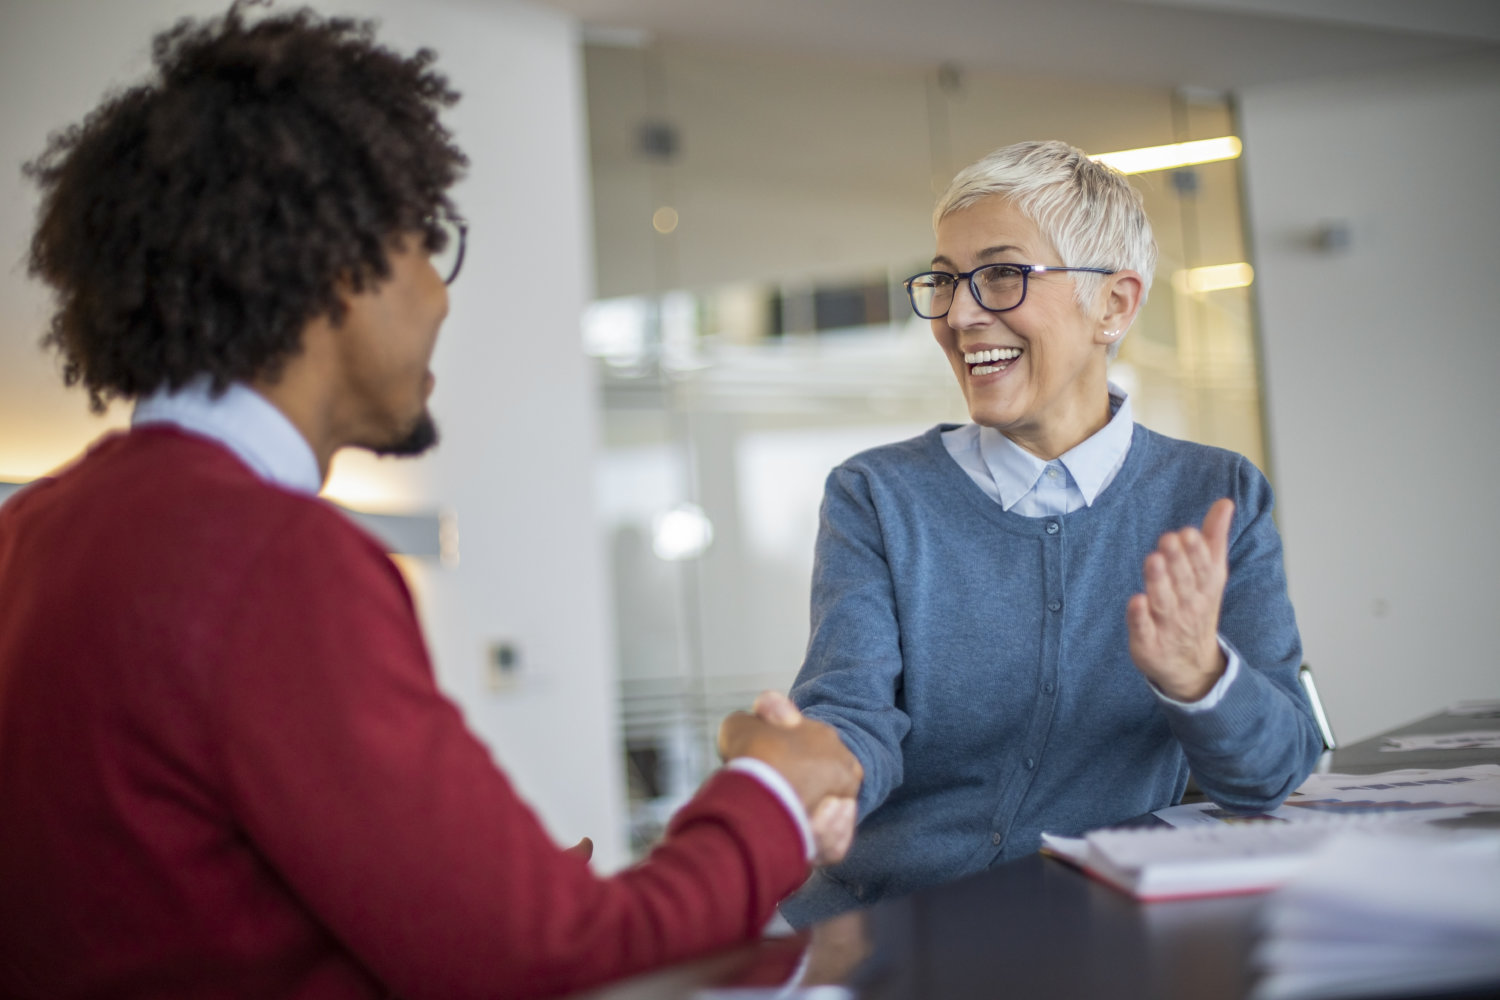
[
  {"x": 1203, "y": 854},
  {"x": 1421, "y": 794},
  {"x": 1488, "y": 708},
  {"x": 1408, "y": 788},
  {"x": 1474, "y": 739}
]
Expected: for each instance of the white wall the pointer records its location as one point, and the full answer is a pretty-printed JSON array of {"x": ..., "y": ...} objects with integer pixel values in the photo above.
[
  {"x": 1380, "y": 377},
  {"x": 514, "y": 395}
]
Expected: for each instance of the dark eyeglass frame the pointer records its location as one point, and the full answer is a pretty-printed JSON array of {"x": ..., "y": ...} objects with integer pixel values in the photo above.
[
  {"x": 1027, "y": 270},
  {"x": 463, "y": 243}
]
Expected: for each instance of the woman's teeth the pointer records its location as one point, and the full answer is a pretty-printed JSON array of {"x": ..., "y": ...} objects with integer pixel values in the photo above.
[{"x": 982, "y": 362}]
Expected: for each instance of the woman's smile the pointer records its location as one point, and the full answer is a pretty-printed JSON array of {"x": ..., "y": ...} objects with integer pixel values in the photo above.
[{"x": 992, "y": 361}]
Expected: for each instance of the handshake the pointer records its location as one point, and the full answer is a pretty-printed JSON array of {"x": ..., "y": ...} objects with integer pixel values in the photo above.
[{"x": 813, "y": 760}]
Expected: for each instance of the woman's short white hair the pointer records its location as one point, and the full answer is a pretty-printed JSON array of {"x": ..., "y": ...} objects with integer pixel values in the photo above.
[{"x": 1089, "y": 211}]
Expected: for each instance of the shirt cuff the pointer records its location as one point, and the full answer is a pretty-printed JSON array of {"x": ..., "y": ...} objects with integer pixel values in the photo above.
[
  {"x": 782, "y": 789},
  {"x": 1215, "y": 693}
]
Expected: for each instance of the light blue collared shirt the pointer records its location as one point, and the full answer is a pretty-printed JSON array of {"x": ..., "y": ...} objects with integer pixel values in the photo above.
[
  {"x": 1019, "y": 481},
  {"x": 1030, "y": 486},
  {"x": 243, "y": 421}
]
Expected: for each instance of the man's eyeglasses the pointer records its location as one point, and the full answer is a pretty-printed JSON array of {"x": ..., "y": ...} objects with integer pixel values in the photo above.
[
  {"x": 996, "y": 287},
  {"x": 446, "y": 239}
]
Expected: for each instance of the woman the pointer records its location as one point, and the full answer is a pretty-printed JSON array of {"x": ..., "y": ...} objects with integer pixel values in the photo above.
[{"x": 1016, "y": 624}]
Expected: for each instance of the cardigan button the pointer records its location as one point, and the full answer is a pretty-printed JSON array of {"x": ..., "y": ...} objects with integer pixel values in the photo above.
[
  {"x": 995, "y": 839},
  {"x": 1054, "y": 605},
  {"x": 1053, "y": 527},
  {"x": 1030, "y": 763}
]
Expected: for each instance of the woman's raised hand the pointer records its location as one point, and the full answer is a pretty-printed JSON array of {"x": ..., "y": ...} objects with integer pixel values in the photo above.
[{"x": 1174, "y": 625}]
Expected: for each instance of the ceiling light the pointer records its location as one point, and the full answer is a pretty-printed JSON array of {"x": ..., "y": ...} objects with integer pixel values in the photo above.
[
  {"x": 664, "y": 219},
  {"x": 684, "y": 532},
  {"x": 1177, "y": 154}
]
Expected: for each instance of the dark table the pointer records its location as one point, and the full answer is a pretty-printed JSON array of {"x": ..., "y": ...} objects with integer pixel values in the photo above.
[
  {"x": 1033, "y": 928},
  {"x": 1366, "y": 757}
]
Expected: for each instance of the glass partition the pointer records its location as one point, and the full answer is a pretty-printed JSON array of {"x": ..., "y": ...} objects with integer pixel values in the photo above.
[{"x": 753, "y": 220}]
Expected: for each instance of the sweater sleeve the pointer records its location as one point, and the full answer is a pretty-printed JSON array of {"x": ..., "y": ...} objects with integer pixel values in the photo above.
[
  {"x": 1260, "y": 741},
  {"x": 360, "y": 785},
  {"x": 851, "y": 677}
]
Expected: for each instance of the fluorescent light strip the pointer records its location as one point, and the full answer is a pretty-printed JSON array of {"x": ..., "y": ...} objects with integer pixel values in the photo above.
[
  {"x": 1214, "y": 278},
  {"x": 1178, "y": 154}
]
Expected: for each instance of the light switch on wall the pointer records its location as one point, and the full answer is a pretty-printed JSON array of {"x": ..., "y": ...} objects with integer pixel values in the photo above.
[{"x": 503, "y": 665}]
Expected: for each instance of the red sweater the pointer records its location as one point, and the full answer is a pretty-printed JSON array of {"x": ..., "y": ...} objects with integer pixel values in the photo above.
[{"x": 225, "y": 769}]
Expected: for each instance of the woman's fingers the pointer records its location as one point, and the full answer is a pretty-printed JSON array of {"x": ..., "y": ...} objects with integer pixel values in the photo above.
[
  {"x": 832, "y": 825},
  {"x": 1142, "y": 625},
  {"x": 1216, "y": 530},
  {"x": 777, "y": 708},
  {"x": 1174, "y": 624},
  {"x": 1158, "y": 583},
  {"x": 1181, "y": 569}
]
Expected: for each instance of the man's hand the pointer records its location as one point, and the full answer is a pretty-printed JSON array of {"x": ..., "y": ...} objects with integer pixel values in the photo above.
[
  {"x": 812, "y": 758},
  {"x": 1174, "y": 625}
]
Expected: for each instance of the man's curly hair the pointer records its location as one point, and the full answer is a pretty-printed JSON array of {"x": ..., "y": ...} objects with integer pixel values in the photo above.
[{"x": 194, "y": 224}]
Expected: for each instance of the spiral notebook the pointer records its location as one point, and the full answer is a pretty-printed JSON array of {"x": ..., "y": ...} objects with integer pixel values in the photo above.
[{"x": 1159, "y": 863}]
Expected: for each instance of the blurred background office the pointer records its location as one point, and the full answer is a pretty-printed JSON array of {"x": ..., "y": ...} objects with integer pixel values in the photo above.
[{"x": 689, "y": 220}]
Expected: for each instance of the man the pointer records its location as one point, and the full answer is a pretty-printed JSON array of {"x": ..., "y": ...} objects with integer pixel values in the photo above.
[{"x": 225, "y": 770}]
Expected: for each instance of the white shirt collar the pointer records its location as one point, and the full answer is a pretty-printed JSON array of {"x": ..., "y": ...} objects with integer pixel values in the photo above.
[
  {"x": 1095, "y": 460},
  {"x": 1092, "y": 463},
  {"x": 243, "y": 421}
]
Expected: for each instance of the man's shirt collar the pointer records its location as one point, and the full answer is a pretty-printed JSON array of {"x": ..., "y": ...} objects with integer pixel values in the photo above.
[{"x": 243, "y": 421}]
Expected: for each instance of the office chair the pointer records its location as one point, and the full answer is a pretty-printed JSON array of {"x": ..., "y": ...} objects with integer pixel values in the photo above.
[{"x": 1310, "y": 688}]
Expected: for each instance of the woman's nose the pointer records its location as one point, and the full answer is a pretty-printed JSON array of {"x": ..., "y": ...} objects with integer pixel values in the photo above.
[{"x": 965, "y": 311}]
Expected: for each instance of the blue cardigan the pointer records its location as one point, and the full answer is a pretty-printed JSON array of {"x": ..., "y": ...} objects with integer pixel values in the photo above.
[{"x": 977, "y": 662}]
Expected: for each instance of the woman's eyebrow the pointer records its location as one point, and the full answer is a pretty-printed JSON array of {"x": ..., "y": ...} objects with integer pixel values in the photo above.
[{"x": 994, "y": 251}]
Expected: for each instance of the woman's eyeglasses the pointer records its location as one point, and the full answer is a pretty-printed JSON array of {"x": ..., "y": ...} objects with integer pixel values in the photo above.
[{"x": 996, "y": 287}]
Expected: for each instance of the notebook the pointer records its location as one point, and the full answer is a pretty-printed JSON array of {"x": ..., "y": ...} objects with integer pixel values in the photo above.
[{"x": 1159, "y": 863}]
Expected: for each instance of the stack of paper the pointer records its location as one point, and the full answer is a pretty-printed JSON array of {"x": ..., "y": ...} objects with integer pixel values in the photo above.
[{"x": 1393, "y": 914}]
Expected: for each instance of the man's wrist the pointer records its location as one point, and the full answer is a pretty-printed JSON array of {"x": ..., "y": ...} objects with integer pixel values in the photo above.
[{"x": 775, "y": 783}]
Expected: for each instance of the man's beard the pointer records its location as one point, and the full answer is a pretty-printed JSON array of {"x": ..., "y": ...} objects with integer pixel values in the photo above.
[{"x": 422, "y": 436}]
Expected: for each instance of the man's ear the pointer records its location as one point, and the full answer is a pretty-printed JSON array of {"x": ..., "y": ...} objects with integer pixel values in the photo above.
[
  {"x": 1119, "y": 301},
  {"x": 346, "y": 290}
]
